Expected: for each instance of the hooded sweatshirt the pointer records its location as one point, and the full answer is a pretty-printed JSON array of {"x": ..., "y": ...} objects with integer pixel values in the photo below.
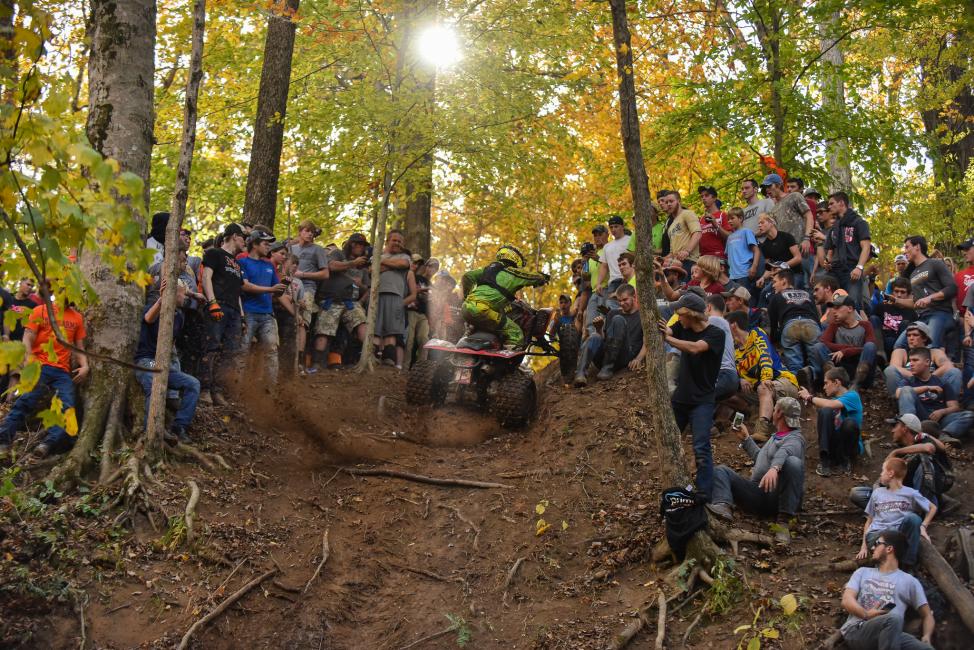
[{"x": 844, "y": 240}]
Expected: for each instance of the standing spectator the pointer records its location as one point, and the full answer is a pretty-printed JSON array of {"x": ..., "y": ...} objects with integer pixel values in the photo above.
[
  {"x": 791, "y": 212},
  {"x": 681, "y": 236},
  {"x": 617, "y": 342},
  {"x": 287, "y": 308},
  {"x": 714, "y": 227},
  {"x": 847, "y": 342},
  {"x": 877, "y": 599},
  {"x": 812, "y": 197},
  {"x": 260, "y": 286},
  {"x": 445, "y": 320},
  {"x": 609, "y": 274},
  {"x": 727, "y": 379},
  {"x": 417, "y": 312},
  {"x": 701, "y": 347},
  {"x": 793, "y": 323},
  {"x": 839, "y": 423},
  {"x": 186, "y": 386},
  {"x": 848, "y": 245},
  {"x": 157, "y": 235},
  {"x": 313, "y": 271},
  {"x": 627, "y": 267},
  {"x": 756, "y": 205},
  {"x": 777, "y": 482},
  {"x": 760, "y": 370},
  {"x": 22, "y": 304},
  {"x": 890, "y": 318},
  {"x": 930, "y": 398},
  {"x": 742, "y": 250},
  {"x": 56, "y": 375},
  {"x": 964, "y": 279},
  {"x": 600, "y": 236},
  {"x": 222, "y": 285},
  {"x": 390, "y": 321},
  {"x": 780, "y": 252},
  {"x": 933, "y": 290}
]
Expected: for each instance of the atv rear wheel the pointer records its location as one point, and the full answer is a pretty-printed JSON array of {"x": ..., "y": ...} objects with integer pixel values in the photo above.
[
  {"x": 569, "y": 341},
  {"x": 426, "y": 383},
  {"x": 514, "y": 399}
]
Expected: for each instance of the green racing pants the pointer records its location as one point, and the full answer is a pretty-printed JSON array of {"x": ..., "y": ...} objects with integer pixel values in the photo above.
[{"x": 483, "y": 316}]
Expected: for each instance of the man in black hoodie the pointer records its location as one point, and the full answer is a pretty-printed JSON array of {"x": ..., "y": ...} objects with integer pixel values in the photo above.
[{"x": 847, "y": 247}]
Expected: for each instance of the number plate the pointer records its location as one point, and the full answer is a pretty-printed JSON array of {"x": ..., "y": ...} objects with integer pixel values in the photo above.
[{"x": 463, "y": 375}]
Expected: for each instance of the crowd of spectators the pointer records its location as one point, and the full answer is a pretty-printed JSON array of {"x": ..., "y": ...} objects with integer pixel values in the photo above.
[{"x": 251, "y": 311}]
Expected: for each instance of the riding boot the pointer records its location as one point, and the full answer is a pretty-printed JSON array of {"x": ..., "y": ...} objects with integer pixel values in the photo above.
[
  {"x": 862, "y": 375},
  {"x": 584, "y": 358},
  {"x": 612, "y": 349}
]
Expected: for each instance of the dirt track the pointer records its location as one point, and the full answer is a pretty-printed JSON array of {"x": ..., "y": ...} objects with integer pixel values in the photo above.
[{"x": 406, "y": 556}]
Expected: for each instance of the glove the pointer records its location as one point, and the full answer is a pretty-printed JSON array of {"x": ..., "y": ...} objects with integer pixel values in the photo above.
[{"x": 213, "y": 307}]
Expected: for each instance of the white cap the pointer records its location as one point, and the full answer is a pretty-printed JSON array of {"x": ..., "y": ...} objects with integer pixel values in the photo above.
[{"x": 911, "y": 422}]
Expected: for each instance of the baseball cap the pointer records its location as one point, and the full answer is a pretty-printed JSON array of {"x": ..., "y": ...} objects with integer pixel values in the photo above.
[
  {"x": 599, "y": 230},
  {"x": 587, "y": 247},
  {"x": 964, "y": 245},
  {"x": 842, "y": 300},
  {"x": 739, "y": 292},
  {"x": 911, "y": 422},
  {"x": 691, "y": 301},
  {"x": 709, "y": 189},
  {"x": 276, "y": 246},
  {"x": 358, "y": 238},
  {"x": 791, "y": 410},
  {"x": 813, "y": 193},
  {"x": 231, "y": 230},
  {"x": 923, "y": 327},
  {"x": 900, "y": 258},
  {"x": 616, "y": 220},
  {"x": 416, "y": 257},
  {"x": 260, "y": 235},
  {"x": 771, "y": 179}
]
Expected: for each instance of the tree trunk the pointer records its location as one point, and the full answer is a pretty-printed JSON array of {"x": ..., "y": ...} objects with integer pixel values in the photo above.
[
  {"x": 120, "y": 123},
  {"x": 367, "y": 361},
  {"x": 260, "y": 202},
  {"x": 833, "y": 100},
  {"x": 155, "y": 426},
  {"x": 419, "y": 203},
  {"x": 948, "y": 126}
]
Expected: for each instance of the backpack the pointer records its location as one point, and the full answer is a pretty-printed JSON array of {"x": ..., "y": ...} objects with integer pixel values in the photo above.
[
  {"x": 684, "y": 513},
  {"x": 938, "y": 473}
]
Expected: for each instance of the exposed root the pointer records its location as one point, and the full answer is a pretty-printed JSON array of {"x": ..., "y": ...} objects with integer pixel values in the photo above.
[
  {"x": 208, "y": 461},
  {"x": 661, "y": 620},
  {"x": 190, "y": 515},
  {"x": 324, "y": 558},
  {"x": 476, "y": 529},
  {"x": 510, "y": 577},
  {"x": 693, "y": 624},
  {"x": 222, "y": 607},
  {"x": 734, "y": 536},
  {"x": 108, "y": 441},
  {"x": 443, "y": 482}
]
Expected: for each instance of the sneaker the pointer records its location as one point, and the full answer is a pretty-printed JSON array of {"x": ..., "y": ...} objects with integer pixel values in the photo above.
[
  {"x": 721, "y": 510},
  {"x": 805, "y": 378},
  {"x": 388, "y": 362},
  {"x": 219, "y": 399},
  {"x": 184, "y": 438},
  {"x": 205, "y": 398},
  {"x": 41, "y": 451},
  {"x": 313, "y": 370},
  {"x": 823, "y": 469},
  {"x": 845, "y": 467}
]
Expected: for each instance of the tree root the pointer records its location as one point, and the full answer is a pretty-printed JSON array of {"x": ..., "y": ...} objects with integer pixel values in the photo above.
[
  {"x": 209, "y": 461},
  {"x": 734, "y": 536},
  {"x": 693, "y": 624},
  {"x": 406, "y": 476},
  {"x": 190, "y": 516},
  {"x": 324, "y": 558},
  {"x": 622, "y": 639},
  {"x": 510, "y": 577},
  {"x": 108, "y": 441},
  {"x": 476, "y": 529},
  {"x": 661, "y": 620},
  {"x": 222, "y": 607}
]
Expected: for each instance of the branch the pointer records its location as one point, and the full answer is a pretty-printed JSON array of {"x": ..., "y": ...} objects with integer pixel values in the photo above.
[
  {"x": 237, "y": 595},
  {"x": 406, "y": 476}
]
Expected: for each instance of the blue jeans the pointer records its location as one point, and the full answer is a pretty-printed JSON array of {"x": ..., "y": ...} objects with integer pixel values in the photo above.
[
  {"x": 894, "y": 380},
  {"x": 60, "y": 382},
  {"x": 222, "y": 345},
  {"x": 855, "y": 288},
  {"x": 939, "y": 322},
  {"x": 700, "y": 417},
  {"x": 187, "y": 386},
  {"x": 910, "y": 527},
  {"x": 727, "y": 383},
  {"x": 733, "y": 489},
  {"x": 798, "y": 337},
  {"x": 591, "y": 310},
  {"x": 820, "y": 356},
  {"x": 956, "y": 424},
  {"x": 838, "y": 440},
  {"x": 967, "y": 394},
  {"x": 263, "y": 327}
]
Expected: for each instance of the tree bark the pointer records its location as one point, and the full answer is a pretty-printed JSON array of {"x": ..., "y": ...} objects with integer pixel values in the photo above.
[
  {"x": 419, "y": 206},
  {"x": 948, "y": 126},
  {"x": 833, "y": 100},
  {"x": 367, "y": 360},
  {"x": 120, "y": 122},
  {"x": 156, "y": 424},
  {"x": 260, "y": 202}
]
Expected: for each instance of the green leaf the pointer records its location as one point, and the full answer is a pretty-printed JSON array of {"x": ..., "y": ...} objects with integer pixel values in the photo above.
[
  {"x": 11, "y": 352},
  {"x": 50, "y": 178},
  {"x": 754, "y": 644},
  {"x": 29, "y": 376},
  {"x": 128, "y": 184}
]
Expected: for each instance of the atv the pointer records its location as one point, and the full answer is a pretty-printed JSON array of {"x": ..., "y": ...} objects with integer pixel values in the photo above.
[{"x": 478, "y": 369}]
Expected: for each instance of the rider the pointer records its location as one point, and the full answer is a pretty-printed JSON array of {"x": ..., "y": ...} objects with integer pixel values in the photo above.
[{"x": 489, "y": 291}]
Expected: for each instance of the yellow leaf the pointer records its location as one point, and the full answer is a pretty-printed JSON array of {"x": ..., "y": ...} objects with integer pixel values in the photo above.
[
  {"x": 71, "y": 422},
  {"x": 541, "y": 527},
  {"x": 770, "y": 633},
  {"x": 741, "y": 628},
  {"x": 226, "y": 419},
  {"x": 623, "y": 49},
  {"x": 754, "y": 644},
  {"x": 539, "y": 509},
  {"x": 564, "y": 525},
  {"x": 789, "y": 604}
]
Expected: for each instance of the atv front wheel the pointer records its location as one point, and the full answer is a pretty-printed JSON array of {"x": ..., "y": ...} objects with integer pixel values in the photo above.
[
  {"x": 426, "y": 384},
  {"x": 514, "y": 399},
  {"x": 569, "y": 341}
]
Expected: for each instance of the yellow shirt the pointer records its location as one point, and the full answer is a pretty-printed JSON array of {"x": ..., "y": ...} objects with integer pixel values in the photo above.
[{"x": 683, "y": 227}]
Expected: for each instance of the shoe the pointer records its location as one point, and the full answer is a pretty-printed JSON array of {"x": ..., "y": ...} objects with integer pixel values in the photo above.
[
  {"x": 584, "y": 358},
  {"x": 805, "y": 378},
  {"x": 205, "y": 398},
  {"x": 41, "y": 451},
  {"x": 388, "y": 362},
  {"x": 313, "y": 370},
  {"x": 823, "y": 469},
  {"x": 219, "y": 399},
  {"x": 184, "y": 438},
  {"x": 862, "y": 375},
  {"x": 714, "y": 431},
  {"x": 782, "y": 536},
  {"x": 612, "y": 349},
  {"x": 948, "y": 504},
  {"x": 762, "y": 431},
  {"x": 845, "y": 467},
  {"x": 721, "y": 510},
  {"x": 170, "y": 438},
  {"x": 948, "y": 439}
]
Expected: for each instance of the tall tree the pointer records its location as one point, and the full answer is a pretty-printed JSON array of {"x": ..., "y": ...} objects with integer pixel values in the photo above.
[
  {"x": 260, "y": 202},
  {"x": 121, "y": 69},
  {"x": 833, "y": 100}
]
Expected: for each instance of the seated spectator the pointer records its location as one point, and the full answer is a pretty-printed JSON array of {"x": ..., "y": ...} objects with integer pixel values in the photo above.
[
  {"x": 893, "y": 506},
  {"x": 918, "y": 335},
  {"x": 899, "y": 265},
  {"x": 890, "y": 317},
  {"x": 56, "y": 375},
  {"x": 760, "y": 370},
  {"x": 964, "y": 279},
  {"x": 928, "y": 468},
  {"x": 260, "y": 286},
  {"x": 743, "y": 254},
  {"x": 617, "y": 342},
  {"x": 669, "y": 278},
  {"x": 705, "y": 274},
  {"x": 839, "y": 423},
  {"x": 739, "y": 299},
  {"x": 727, "y": 379},
  {"x": 847, "y": 342},
  {"x": 929, "y": 397},
  {"x": 187, "y": 386},
  {"x": 933, "y": 290},
  {"x": 877, "y": 598},
  {"x": 823, "y": 290},
  {"x": 794, "y": 324},
  {"x": 777, "y": 481}
]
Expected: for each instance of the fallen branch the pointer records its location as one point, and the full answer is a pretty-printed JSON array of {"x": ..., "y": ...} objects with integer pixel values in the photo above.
[
  {"x": 510, "y": 577},
  {"x": 950, "y": 585},
  {"x": 734, "y": 537},
  {"x": 622, "y": 639},
  {"x": 693, "y": 624},
  {"x": 222, "y": 607},
  {"x": 190, "y": 517},
  {"x": 324, "y": 558},
  {"x": 476, "y": 529},
  {"x": 661, "y": 620},
  {"x": 845, "y": 565},
  {"x": 418, "y": 478},
  {"x": 428, "y": 574},
  {"x": 434, "y": 635},
  {"x": 283, "y": 587}
]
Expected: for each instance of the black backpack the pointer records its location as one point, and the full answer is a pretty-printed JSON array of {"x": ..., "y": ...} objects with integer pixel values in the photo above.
[{"x": 684, "y": 513}]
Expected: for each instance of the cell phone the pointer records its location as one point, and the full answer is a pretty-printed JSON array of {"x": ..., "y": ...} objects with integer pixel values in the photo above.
[
  {"x": 888, "y": 606},
  {"x": 738, "y": 420}
]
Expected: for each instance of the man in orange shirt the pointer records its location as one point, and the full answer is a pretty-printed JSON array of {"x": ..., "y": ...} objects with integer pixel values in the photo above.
[{"x": 56, "y": 373}]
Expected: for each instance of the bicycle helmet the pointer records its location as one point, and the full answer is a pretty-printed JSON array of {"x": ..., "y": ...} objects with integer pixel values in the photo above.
[{"x": 510, "y": 256}]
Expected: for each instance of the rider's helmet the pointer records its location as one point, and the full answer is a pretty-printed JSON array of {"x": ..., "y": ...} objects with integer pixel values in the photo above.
[{"x": 510, "y": 256}]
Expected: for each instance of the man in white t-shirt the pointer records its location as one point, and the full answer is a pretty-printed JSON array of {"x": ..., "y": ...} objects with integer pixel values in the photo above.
[
  {"x": 609, "y": 274},
  {"x": 756, "y": 205}
]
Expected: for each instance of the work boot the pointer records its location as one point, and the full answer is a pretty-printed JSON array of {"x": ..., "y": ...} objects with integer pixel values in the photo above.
[
  {"x": 824, "y": 468},
  {"x": 721, "y": 510},
  {"x": 612, "y": 350},
  {"x": 584, "y": 358},
  {"x": 948, "y": 504},
  {"x": 42, "y": 451},
  {"x": 861, "y": 376},
  {"x": 762, "y": 430},
  {"x": 782, "y": 536},
  {"x": 806, "y": 378}
]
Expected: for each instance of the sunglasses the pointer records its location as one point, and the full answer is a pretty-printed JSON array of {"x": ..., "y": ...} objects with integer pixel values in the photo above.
[{"x": 875, "y": 544}]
